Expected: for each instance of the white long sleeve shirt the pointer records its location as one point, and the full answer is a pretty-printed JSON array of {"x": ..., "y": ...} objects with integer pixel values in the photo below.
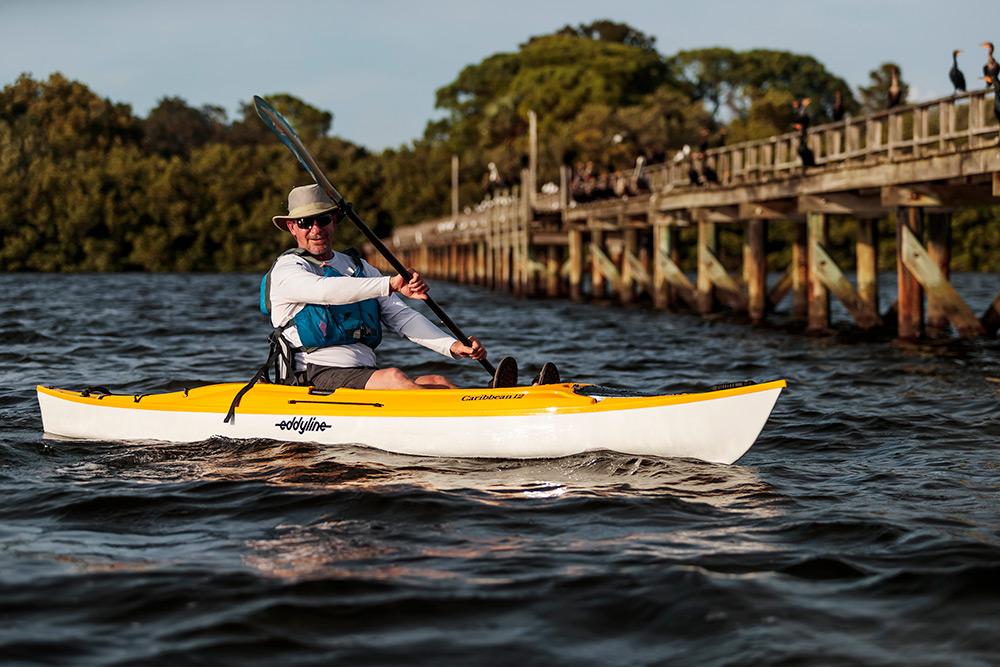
[{"x": 296, "y": 283}]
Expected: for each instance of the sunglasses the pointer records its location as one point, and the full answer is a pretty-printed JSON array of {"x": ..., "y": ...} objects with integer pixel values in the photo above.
[{"x": 322, "y": 220}]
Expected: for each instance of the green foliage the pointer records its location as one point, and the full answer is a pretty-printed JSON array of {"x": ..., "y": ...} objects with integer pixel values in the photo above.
[
  {"x": 174, "y": 128},
  {"x": 59, "y": 117},
  {"x": 557, "y": 76},
  {"x": 87, "y": 186},
  {"x": 977, "y": 232},
  {"x": 730, "y": 82},
  {"x": 770, "y": 113}
]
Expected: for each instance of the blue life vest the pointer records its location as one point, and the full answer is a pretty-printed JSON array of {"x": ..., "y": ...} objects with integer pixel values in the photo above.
[{"x": 326, "y": 325}]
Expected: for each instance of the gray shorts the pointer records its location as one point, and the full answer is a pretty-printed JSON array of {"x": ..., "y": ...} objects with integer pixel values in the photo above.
[{"x": 330, "y": 377}]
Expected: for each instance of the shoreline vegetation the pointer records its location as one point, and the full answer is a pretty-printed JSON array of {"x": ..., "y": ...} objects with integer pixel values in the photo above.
[{"x": 86, "y": 185}]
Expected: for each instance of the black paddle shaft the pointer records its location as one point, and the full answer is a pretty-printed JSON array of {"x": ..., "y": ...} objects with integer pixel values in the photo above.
[{"x": 277, "y": 124}]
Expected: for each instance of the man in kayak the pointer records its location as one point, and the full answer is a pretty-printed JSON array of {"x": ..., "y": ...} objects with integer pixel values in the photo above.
[{"x": 330, "y": 307}]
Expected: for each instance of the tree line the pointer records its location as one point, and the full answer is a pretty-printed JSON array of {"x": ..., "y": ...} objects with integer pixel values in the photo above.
[{"x": 86, "y": 185}]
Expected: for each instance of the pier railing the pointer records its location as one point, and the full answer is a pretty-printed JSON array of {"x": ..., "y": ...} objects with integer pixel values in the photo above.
[{"x": 944, "y": 125}]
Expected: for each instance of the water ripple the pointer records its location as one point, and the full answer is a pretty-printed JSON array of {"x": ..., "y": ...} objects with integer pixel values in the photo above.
[{"x": 860, "y": 529}]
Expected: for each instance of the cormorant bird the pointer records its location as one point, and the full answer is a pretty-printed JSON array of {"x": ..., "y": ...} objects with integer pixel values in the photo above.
[
  {"x": 805, "y": 153},
  {"x": 693, "y": 176},
  {"x": 683, "y": 155},
  {"x": 837, "y": 112},
  {"x": 895, "y": 90},
  {"x": 991, "y": 70},
  {"x": 955, "y": 74},
  {"x": 996, "y": 97},
  {"x": 802, "y": 112},
  {"x": 710, "y": 174},
  {"x": 704, "y": 144}
]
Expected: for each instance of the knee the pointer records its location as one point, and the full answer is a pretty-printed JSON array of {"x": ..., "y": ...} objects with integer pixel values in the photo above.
[{"x": 395, "y": 375}]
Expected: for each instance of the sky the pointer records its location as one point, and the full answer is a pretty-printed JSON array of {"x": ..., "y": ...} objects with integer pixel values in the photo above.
[{"x": 377, "y": 64}]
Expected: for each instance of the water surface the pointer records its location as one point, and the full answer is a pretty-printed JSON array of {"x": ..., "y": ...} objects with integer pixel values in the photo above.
[{"x": 862, "y": 528}]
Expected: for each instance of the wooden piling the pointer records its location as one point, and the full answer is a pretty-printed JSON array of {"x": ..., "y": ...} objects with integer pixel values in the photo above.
[
  {"x": 626, "y": 293},
  {"x": 597, "y": 286},
  {"x": 755, "y": 267},
  {"x": 800, "y": 273},
  {"x": 575, "y": 263},
  {"x": 565, "y": 176},
  {"x": 866, "y": 257},
  {"x": 708, "y": 242},
  {"x": 644, "y": 262},
  {"x": 937, "y": 287},
  {"x": 910, "y": 303},
  {"x": 939, "y": 249},
  {"x": 481, "y": 263},
  {"x": 991, "y": 318},
  {"x": 424, "y": 261},
  {"x": 552, "y": 264},
  {"x": 660, "y": 287},
  {"x": 673, "y": 252},
  {"x": 818, "y": 318},
  {"x": 522, "y": 216}
]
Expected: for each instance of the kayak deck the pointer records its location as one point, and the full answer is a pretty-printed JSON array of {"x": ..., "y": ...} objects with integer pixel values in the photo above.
[{"x": 269, "y": 398}]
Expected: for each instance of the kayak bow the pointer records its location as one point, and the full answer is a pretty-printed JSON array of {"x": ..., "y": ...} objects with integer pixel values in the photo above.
[{"x": 520, "y": 422}]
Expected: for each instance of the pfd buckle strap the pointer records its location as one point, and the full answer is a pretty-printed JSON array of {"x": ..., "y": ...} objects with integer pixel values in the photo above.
[
  {"x": 96, "y": 389},
  {"x": 281, "y": 354}
]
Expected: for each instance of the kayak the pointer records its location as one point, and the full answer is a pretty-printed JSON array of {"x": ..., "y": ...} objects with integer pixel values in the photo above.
[{"x": 545, "y": 421}]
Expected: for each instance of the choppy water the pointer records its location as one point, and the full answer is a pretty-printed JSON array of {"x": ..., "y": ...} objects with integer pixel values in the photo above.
[{"x": 862, "y": 528}]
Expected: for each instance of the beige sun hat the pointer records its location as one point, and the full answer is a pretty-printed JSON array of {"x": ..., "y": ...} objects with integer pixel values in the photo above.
[{"x": 303, "y": 202}]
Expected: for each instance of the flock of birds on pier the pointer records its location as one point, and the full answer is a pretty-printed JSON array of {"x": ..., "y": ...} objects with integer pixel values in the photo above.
[
  {"x": 894, "y": 95},
  {"x": 586, "y": 184},
  {"x": 991, "y": 72}
]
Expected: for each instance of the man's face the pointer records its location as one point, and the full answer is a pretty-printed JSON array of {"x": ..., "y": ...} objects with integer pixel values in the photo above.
[{"x": 315, "y": 239}]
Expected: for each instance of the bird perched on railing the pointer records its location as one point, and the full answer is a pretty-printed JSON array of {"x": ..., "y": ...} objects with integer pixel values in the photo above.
[
  {"x": 991, "y": 70},
  {"x": 805, "y": 153},
  {"x": 684, "y": 154},
  {"x": 801, "y": 108},
  {"x": 895, "y": 93},
  {"x": 955, "y": 74},
  {"x": 708, "y": 173},
  {"x": 694, "y": 178},
  {"x": 996, "y": 97}
]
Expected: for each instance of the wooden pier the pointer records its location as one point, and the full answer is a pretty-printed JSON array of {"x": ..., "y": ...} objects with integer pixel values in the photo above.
[{"x": 913, "y": 165}]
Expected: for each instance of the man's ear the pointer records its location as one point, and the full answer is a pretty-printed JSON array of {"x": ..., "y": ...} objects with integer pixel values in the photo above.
[{"x": 288, "y": 226}]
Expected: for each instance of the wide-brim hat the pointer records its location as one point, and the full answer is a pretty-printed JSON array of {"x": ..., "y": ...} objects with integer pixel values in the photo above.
[{"x": 304, "y": 201}]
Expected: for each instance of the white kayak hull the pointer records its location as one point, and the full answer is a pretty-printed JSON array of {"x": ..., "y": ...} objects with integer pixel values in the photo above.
[{"x": 719, "y": 430}]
